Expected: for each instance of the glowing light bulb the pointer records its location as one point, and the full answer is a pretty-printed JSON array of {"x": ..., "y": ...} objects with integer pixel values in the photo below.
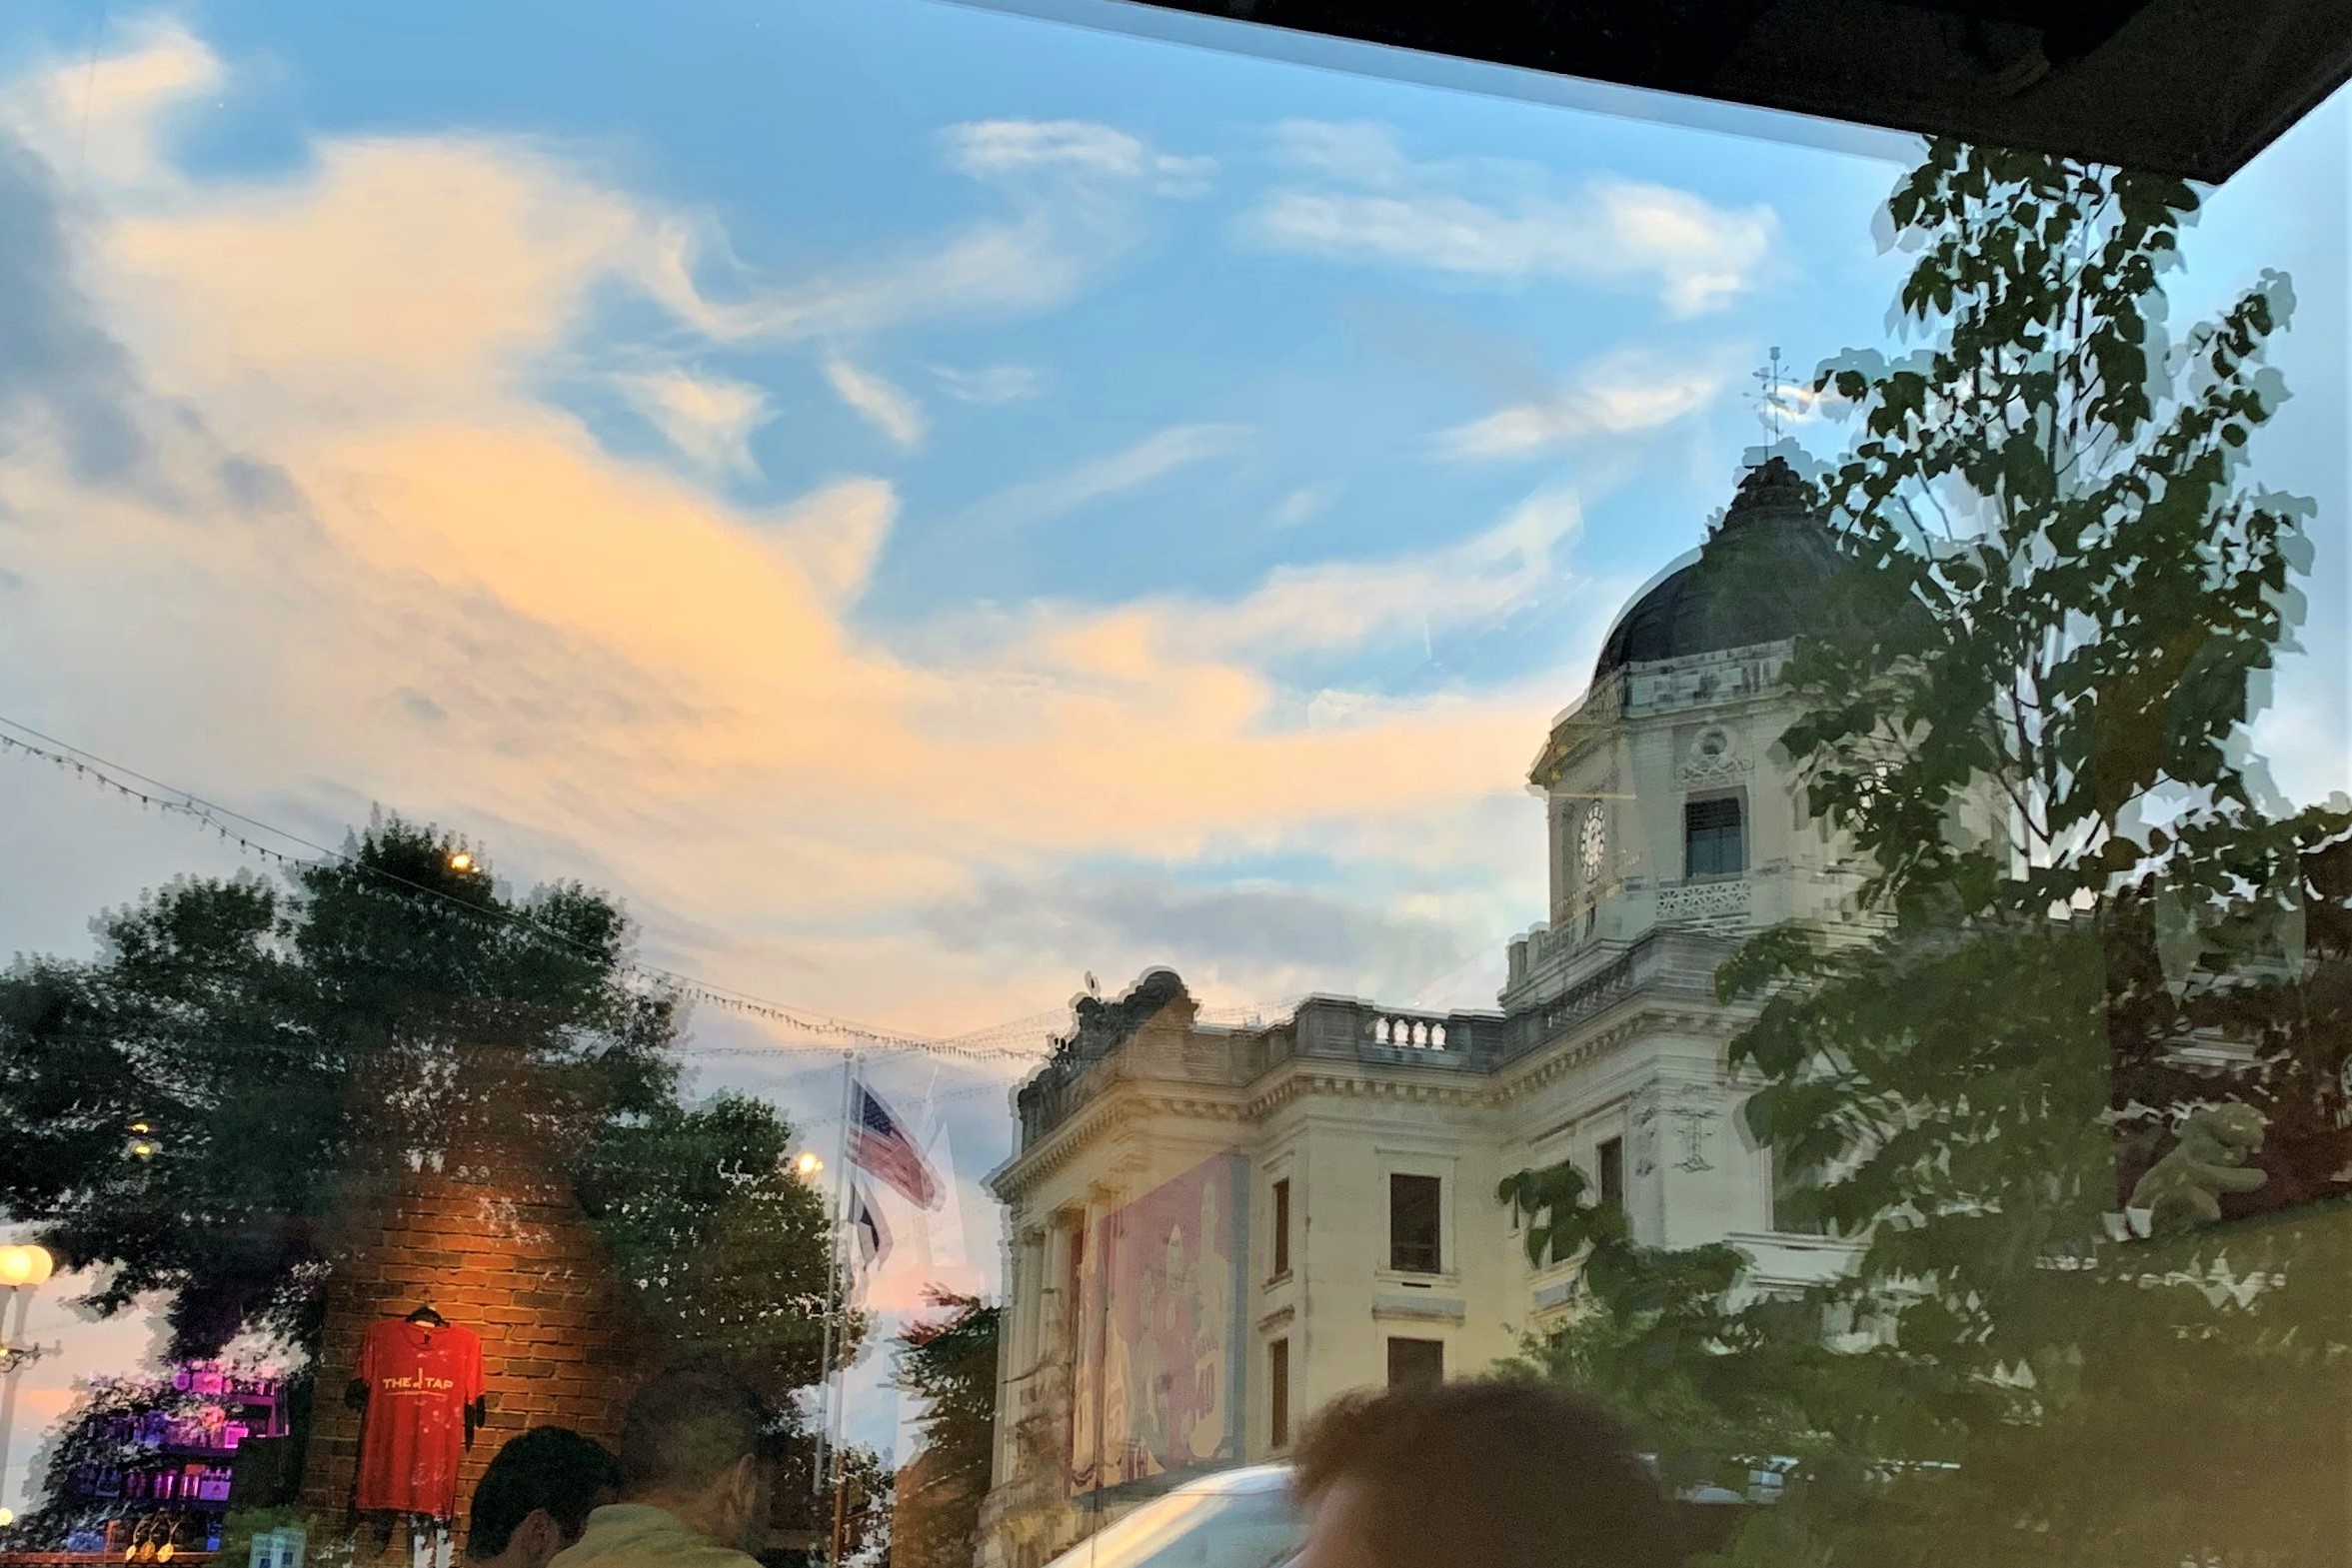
[
  {"x": 143, "y": 1150},
  {"x": 25, "y": 1265},
  {"x": 807, "y": 1164},
  {"x": 460, "y": 860}
]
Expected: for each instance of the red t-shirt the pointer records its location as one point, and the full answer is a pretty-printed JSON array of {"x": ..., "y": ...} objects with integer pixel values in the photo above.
[{"x": 420, "y": 1380}]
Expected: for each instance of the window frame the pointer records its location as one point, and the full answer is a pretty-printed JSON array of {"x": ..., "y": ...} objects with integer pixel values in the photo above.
[
  {"x": 1741, "y": 829},
  {"x": 1436, "y": 1242},
  {"x": 1278, "y": 1228},
  {"x": 1277, "y": 1393},
  {"x": 1396, "y": 1342}
]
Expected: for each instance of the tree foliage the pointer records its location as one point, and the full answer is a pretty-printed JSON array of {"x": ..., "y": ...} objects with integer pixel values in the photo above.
[
  {"x": 716, "y": 1237},
  {"x": 2087, "y": 914},
  {"x": 949, "y": 1363},
  {"x": 189, "y": 1108}
]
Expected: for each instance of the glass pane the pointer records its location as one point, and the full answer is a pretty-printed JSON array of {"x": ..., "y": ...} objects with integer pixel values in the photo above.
[{"x": 1416, "y": 1238}]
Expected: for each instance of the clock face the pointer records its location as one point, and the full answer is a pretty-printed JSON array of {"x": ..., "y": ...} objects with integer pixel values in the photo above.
[{"x": 1592, "y": 841}]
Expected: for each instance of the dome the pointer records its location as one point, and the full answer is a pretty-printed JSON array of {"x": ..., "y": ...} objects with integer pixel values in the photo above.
[{"x": 1757, "y": 578}]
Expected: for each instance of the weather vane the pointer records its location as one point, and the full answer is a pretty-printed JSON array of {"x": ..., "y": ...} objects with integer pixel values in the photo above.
[{"x": 1769, "y": 380}]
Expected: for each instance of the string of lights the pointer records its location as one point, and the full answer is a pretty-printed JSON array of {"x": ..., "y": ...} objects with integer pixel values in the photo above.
[{"x": 250, "y": 834}]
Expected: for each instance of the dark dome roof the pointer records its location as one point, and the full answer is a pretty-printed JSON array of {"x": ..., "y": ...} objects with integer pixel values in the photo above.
[{"x": 1759, "y": 579}]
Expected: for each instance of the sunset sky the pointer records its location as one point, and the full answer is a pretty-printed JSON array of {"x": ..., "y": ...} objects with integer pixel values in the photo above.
[{"x": 921, "y": 504}]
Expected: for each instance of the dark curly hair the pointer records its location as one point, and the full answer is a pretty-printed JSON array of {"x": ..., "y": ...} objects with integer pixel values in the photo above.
[
  {"x": 1488, "y": 1473},
  {"x": 547, "y": 1467}
]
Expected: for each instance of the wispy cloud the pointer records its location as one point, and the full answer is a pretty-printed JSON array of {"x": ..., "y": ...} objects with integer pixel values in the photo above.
[
  {"x": 708, "y": 417},
  {"x": 1619, "y": 394},
  {"x": 888, "y": 409},
  {"x": 989, "y": 385},
  {"x": 1341, "y": 604},
  {"x": 1360, "y": 199},
  {"x": 1303, "y": 505},
  {"x": 1130, "y": 468},
  {"x": 988, "y": 149}
]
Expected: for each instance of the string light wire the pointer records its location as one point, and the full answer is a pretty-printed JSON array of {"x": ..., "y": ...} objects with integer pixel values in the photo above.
[{"x": 237, "y": 828}]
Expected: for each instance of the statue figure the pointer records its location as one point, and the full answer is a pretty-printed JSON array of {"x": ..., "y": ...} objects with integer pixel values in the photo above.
[{"x": 2183, "y": 1189}]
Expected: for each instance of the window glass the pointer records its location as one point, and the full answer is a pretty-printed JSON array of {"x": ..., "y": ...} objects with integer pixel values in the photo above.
[
  {"x": 1611, "y": 1158},
  {"x": 1415, "y": 1224},
  {"x": 1714, "y": 843},
  {"x": 886, "y": 694},
  {"x": 1278, "y": 1394},
  {"x": 1415, "y": 1362}
]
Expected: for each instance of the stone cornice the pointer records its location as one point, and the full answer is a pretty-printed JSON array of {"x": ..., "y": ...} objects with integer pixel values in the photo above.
[
  {"x": 1123, "y": 1104},
  {"x": 1548, "y": 1064},
  {"x": 1116, "y": 1107},
  {"x": 1424, "y": 1088}
]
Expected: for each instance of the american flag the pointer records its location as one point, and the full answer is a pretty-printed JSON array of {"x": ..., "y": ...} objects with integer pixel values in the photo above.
[
  {"x": 874, "y": 1237},
  {"x": 880, "y": 1144}
]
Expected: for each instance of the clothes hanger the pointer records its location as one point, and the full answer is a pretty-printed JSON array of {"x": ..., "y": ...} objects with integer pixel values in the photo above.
[{"x": 430, "y": 1318}]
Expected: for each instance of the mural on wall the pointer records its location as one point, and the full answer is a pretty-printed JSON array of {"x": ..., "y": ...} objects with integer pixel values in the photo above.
[{"x": 1155, "y": 1388}]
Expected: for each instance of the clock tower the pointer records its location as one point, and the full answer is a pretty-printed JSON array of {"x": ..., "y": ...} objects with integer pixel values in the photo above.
[{"x": 1669, "y": 804}]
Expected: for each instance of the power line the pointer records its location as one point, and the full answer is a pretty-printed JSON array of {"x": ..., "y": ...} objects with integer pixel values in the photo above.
[{"x": 236, "y": 826}]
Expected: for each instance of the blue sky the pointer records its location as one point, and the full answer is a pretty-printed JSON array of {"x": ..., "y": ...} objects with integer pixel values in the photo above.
[{"x": 924, "y": 503}]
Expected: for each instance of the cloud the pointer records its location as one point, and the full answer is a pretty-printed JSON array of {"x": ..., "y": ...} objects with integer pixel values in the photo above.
[
  {"x": 994, "y": 149},
  {"x": 1507, "y": 222},
  {"x": 1621, "y": 394},
  {"x": 110, "y": 124},
  {"x": 1303, "y": 505},
  {"x": 1119, "y": 923},
  {"x": 991, "y": 385},
  {"x": 837, "y": 536},
  {"x": 709, "y": 419},
  {"x": 1341, "y": 604},
  {"x": 63, "y": 380},
  {"x": 1072, "y": 187},
  {"x": 885, "y": 407},
  {"x": 1132, "y": 468},
  {"x": 609, "y": 668}
]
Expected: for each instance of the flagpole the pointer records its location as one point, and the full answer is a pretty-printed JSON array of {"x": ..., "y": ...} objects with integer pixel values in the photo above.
[{"x": 820, "y": 1475}]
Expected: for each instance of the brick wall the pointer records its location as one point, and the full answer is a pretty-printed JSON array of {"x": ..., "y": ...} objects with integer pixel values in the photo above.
[{"x": 493, "y": 1240}]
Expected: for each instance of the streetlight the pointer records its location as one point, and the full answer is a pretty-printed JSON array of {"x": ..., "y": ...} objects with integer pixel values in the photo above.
[
  {"x": 807, "y": 1164},
  {"x": 24, "y": 1265},
  {"x": 460, "y": 862},
  {"x": 23, "y": 1269}
]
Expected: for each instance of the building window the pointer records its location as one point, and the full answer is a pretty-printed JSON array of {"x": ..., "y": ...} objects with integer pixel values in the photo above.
[
  {"x": 1416, "y": 1363},
  {"x": 1611, "y": 1162},
  {"x": 1789, "y": 1182},
  {"x": 1414, "y": 1232},
  {"x": 1714, "y": 839},
  {"x": 1283, "y": 1229},
  {"x": 1278, "y": 1394}
]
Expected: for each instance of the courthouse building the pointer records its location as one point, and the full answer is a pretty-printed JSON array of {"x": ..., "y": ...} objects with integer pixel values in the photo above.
[{"x": 1212, "y": 1231}]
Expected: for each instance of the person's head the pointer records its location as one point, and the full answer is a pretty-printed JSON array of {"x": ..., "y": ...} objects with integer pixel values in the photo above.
[
  {"x": 699, "y": 1444},
  {"x": 1485, "y": 1474},
  {"x": 536, "y": 1497}
]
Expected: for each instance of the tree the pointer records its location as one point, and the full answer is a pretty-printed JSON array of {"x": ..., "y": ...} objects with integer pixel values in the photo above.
[
  {"x": 949, "y": 1363},
  {"x": 184, "y": 1106},
  {"x": 716, "y": 1237},
  {"x": 2060, "y": 604}
]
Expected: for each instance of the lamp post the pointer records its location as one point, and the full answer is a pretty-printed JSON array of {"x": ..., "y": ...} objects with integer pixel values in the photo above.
[{"x": 23, "y": 1270}]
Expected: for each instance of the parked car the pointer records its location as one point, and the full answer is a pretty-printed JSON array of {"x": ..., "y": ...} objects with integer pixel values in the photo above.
[
  {"x": 1242, "y": 1518},
  {"x": 1247, "y": 1518}
]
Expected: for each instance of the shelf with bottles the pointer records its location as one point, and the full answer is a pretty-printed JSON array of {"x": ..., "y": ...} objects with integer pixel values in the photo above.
[
  {"x": 195, "y": 1485},
  {"x": 156, "y": 1536}
]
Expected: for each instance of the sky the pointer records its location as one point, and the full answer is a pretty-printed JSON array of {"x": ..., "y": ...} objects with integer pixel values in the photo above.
[{"x": 923, "y": 504}]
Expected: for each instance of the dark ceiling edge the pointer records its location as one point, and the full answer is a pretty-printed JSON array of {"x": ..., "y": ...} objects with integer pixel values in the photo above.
[{"x": 1455, "y": 73}]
